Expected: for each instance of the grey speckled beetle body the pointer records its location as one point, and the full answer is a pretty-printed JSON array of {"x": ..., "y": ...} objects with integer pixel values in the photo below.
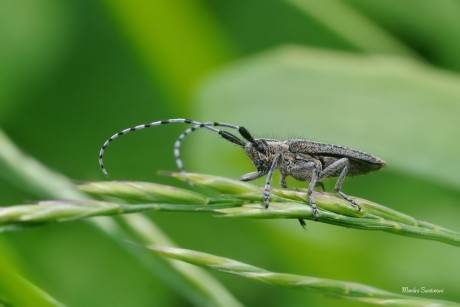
[{"x": 301, "y": 159}]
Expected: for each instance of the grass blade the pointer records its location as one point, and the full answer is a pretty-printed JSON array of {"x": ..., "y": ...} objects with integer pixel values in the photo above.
[
  {"x": 354, "y": 28},
  {"x": 216, "y": 295},
  {"x": 29, "y": 174},
  {"x": 142, "y": 192},
  {"x": 15, "y": 290},
  {"x": 162, "y": 30},
  {"x": 246, "y": 202},
  {"x": 340, "y": 289}
]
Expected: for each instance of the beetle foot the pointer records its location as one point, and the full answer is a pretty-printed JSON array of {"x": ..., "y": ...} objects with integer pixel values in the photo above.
[
  {"x": 348, "y": 199},
  {"x": 313, "y": 207},
  {"x": 302, "y": 223}
]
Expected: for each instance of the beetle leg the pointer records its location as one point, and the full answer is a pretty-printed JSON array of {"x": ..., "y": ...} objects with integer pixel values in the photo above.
[
  {"x": 302, "y": 223},
  {"x": 251, "y": 176},
  {"x": 303, "y": 168},
  {"x": 338, "y": 187},
  {"x": 268, "y": 181},
  {"x": 341, "y": 164},
  {"x": 321, "y": 185},
  {"x": 283, "y": 183},
  {"x": 314, "y": 177}
]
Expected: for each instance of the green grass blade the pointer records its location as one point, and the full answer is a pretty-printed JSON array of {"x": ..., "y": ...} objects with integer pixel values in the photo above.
[
  {"x": 28, "y": 174},
  {"x": 353, "y": 27},
  {"x": 32, "y": 176},
  {"x": 285, "y": 204},
  {"x": 148, "y": 233},
  {"x": 15, "y": 290},
  {"x": 340, "y": 289},
  {"x": 403, "y": 22},
  {"x": 142, "y": 192},
  {"x": 178, "y": 40}
]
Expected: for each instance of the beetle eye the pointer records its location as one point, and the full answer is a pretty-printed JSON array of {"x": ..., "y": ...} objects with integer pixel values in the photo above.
[
  {"x": 260, "y": 149},
  {"x": 260, "y": 146}
]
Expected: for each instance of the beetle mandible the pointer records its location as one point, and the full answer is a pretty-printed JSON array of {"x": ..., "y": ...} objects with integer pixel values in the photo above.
[{"x": 303, "y": 160}]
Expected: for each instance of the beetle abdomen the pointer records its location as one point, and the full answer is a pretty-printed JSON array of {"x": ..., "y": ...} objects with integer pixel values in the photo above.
[
  {"x": 360, "y": 162},
  {"x": 318, "y": 148}
]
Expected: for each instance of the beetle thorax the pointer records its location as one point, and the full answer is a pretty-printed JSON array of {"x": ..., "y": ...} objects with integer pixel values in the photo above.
[{"x": 263, "y": 152}]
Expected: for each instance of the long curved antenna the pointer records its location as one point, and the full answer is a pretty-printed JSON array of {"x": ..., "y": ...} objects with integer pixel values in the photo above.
[
  {"x": 224, "y": 134},
  {"x": 177, "y": 145}
]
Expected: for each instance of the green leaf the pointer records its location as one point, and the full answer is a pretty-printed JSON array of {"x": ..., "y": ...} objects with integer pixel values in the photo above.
[
  {"x": 439, "y": 44},
  {"x": 34, "y": 36},
  {"x": 177, "y": 40},
  {"x": 353, "y": 27},
  {"x": 30, "y": 175},
  {"x": 400, "y": 110},
  {"x": 15, "y": 290}
]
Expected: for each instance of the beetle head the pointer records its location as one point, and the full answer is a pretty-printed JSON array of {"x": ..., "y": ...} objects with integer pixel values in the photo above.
[
  {"x": 260, "y": 154},
  {"x": 260, "y": 145},
  {"x": 256, "y": 149}
]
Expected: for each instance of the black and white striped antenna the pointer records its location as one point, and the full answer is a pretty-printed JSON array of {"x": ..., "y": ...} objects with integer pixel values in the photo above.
[{"x": 196, "y": 125}]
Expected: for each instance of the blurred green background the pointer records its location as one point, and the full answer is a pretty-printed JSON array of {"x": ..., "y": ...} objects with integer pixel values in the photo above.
[{"x": 381, "y": 76}]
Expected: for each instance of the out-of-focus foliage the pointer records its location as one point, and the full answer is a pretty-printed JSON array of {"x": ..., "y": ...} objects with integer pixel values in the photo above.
[{"x": 356, "y": 73}]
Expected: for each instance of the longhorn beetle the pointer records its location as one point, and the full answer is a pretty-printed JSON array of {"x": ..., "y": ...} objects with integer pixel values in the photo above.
[{"x": 301, "y": 159}]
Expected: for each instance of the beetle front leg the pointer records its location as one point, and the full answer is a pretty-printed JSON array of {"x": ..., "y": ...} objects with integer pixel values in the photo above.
[
  {"x": 268, "y": 181},
  {"x": 251, "y": 176},
  {"x": 341, "y": 164}
]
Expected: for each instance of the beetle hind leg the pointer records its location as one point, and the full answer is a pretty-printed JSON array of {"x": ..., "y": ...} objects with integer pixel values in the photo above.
[
  {"x": 341, "y": 164},
  {"x": 283, "y": 183},
  {"x": 321, "y": 185},
  {"x": 338, "y": 187},
  {"x": 348, "y": 199}
]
